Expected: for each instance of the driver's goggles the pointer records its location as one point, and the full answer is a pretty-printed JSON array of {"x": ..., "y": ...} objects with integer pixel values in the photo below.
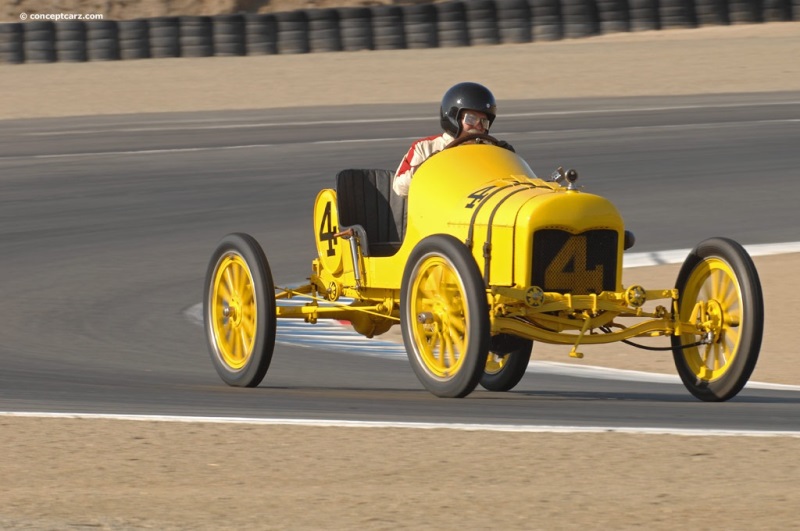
[{"x": 471, "y": 120}]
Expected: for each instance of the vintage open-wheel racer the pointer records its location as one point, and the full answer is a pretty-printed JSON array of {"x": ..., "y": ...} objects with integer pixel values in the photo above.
[{"x": 480, "y": 260}]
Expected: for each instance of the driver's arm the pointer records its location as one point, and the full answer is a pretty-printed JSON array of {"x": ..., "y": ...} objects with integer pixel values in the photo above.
[{"x": 416, "y": 155}]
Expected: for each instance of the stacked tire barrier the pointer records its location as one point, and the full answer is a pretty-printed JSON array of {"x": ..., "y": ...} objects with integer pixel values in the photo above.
[
  {"x": 165, "y": 37},
  {"x": 452, "y": 24},
  {"x": 196, "y": 36},
  {"x": 421, "y": 24},
  {"x": 134, "y": 39},
  {"x": 388, "y": 28},
  {"x": 448, "y": 23},
  {"x": 324, "y": 30},
  {"x": 228, "y": 35},
  {"x": 71, "y": 42},
  {"x": 260, "y": 34},
  {"x": 39, "y": 43}
]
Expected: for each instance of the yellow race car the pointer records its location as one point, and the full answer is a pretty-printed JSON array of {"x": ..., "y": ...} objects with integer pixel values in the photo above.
[{"x": 481, "y": 259}]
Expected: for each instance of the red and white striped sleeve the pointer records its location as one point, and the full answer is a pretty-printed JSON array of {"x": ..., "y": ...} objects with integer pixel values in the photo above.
[{"x": 417, "y": 154}]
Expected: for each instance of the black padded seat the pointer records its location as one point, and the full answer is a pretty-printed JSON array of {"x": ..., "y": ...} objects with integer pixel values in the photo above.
[{"x": 366, "y": 200}]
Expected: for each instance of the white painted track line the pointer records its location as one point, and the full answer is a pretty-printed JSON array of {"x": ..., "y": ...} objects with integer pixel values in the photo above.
[{"x": 411, "y": 425}]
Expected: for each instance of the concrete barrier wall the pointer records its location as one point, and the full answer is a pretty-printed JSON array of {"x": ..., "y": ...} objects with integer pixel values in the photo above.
[{"x": 382, "y": 27}]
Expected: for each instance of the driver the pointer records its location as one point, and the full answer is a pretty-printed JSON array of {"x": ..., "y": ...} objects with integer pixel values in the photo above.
[{"x": 467, "y": 108}]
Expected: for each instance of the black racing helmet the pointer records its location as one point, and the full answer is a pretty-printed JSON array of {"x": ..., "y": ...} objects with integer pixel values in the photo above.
[{"x": 467, "y": 95}]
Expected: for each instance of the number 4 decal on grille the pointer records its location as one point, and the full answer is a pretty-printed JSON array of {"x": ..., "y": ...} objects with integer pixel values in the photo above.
[{"x": 568, "y": 270}]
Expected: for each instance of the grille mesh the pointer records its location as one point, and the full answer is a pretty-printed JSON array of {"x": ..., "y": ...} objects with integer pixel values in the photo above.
[{"x": 575, "y": 263}]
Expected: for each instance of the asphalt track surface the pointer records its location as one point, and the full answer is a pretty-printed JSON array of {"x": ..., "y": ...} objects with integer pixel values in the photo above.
[{"x": 107, "y": 224}]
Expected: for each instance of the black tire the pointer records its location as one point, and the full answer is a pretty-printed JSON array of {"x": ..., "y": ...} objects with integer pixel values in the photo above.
[
  {"x": 261, "y": 44},
  {"x": 391, "y": 41},
  {"x": 197, "y": 51},
  {"x": 70, "y": 31},
  {"x": 546, "y": 20},
  {"x": 580, "y": 17},
  {"x": 482, "y": 22},
  {"x": 12, "y": 43},
  {"x": 134, "y": 39},
  {"x": 40, "y": 30},
  {"x": 164, "y": 38},
  {"x": 163, "y": 51},
  {"x": 421, "y": 26},
  {"x": 229, "y": 24},
  {"x": 644, "y": 15},
  {"x": 39, "y": 42},
  {"x": 102, "y": 50},
  {"x": 229, "y": 35},
  {"x": 443, "y": 296},
  {"x": 293, "y": 32},
  {"x": 139, "y": 51},
  {"x": 677, "y": 14},
  {"x": 164, "y": 28},
  {"x": 323, "y": 30},
  {"x": 721, "y": 273},
  {"x": 746, "y": 11},
  {"x": 133, "y": 30},
  {"x": 196, "y": 37},
  {"x": 421, "y": 36},
  {"x": 514, "y": 21},
  {"x": 388, "y": 31},
  {"x": 195, "y": 26},
  {"x": 614, "y": 16},
  {"x": 243, "y": 357},
  {"x": 40, "y": 52},
  {"x": 71, "y": 52},
  {"x": 12, "y": 57},
  {"x": 778, "y": 11},
  {"x": 453, "y": 38},
  {"x": 355, "y": 24},
  {"x": 102, "y": 30},
  {"x": 712, "y": 12},
  {"x": 293, "y": 42},
  {"x": 507, "y": 362}
]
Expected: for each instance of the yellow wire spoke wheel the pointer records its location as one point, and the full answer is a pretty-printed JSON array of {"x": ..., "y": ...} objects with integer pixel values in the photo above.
[
  {"x": 239, "y": 311},
  {"x": 506, "y": 363},
  {"x": 233, "y": 311},
  {"x": 436, "y": 298},
  {"x": 445, "y": 316},
  {"x": 495, "y": 363},
  {"x": 719, "y": 293}
]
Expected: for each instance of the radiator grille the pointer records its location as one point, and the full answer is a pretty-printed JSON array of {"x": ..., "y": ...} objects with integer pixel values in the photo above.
[{"x": 575, "y": 263}]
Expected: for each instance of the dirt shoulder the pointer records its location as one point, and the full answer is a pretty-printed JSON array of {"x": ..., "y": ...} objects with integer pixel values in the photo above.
[{"x": 156, "y": 475}]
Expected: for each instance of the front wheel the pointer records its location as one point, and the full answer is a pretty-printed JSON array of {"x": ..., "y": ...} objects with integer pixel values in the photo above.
[
  {"x": 719, "y": 291},
  {"x": 507, "y": 362},
  {"x": 239, "y": 311},
  {"x": 445, "y": 316}
]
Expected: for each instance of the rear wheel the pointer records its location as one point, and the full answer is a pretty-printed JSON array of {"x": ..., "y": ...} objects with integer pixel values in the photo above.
[
  {"x": 239, "y": 311},
  {"x": 445, "y": 316},
  {"x": 719, "y": 290},
  {"x": 507, "y": 362}
]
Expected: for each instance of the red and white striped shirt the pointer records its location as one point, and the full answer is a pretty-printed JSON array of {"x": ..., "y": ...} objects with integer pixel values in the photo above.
[{"x": 417, "y": 154}]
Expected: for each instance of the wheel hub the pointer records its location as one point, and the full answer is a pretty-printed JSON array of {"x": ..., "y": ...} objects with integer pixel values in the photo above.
[
  {"x": 715, "y": 319},
  {"x": 232, "y": 312}
]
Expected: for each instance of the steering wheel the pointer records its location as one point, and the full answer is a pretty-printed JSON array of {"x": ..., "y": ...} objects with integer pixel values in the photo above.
[{"x": 472, "y": 136}]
